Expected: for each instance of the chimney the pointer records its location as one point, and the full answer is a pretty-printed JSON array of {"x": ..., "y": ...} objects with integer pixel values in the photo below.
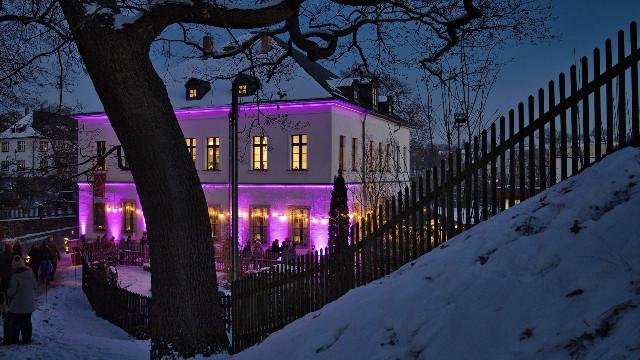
[
  {"x": 265, "y": 43},
  {"x": 207, "y": 45}
]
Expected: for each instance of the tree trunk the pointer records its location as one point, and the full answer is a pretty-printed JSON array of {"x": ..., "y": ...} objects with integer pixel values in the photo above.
[{"x": 186, "y": 316}]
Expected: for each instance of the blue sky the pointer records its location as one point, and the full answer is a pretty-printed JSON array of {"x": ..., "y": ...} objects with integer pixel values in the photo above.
[{"x": 581, "y": 25}]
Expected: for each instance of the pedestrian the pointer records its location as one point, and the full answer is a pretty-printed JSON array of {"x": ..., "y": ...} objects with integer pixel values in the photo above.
[
  {"x": 55, "y": 256},
  {"x": 35, "y": 258},
  {"x": 17, "y": 248},
  {"x": 46, "y": 260},
  {"x": 21, "y": 294},
  {"x": 275, "y": 246}
]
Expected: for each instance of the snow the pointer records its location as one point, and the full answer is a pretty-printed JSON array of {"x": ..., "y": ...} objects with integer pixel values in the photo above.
[
  {"x": 23, "y": 129},
  {"x": 135, "y": 279},
  {"x": 291, "y": 82},
  {"x": 66, "y": 327},
  {"x": 555, "y": 277}
]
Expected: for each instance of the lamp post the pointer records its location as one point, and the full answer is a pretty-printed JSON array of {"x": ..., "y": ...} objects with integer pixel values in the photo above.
[
  {"x": 460, "y": 120},
  {"x": 242, "y": 85}
]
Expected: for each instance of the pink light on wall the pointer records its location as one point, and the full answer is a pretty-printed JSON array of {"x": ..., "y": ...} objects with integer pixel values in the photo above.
[{"x": 274, "y": 106}]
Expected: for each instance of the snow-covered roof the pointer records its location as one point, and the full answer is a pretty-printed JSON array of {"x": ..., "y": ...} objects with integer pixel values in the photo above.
[{"x": 21, "y": 129}]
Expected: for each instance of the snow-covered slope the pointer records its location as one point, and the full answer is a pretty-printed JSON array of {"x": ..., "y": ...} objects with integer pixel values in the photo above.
[{"x": 557, "y": 277}]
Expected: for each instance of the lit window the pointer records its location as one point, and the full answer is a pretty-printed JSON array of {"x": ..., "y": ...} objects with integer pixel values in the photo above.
[
  {"x": 21, "y": 165},
  {"x": 242, "y": 89},
  {"x": 259, "y": 153},
  {"x": 299, "y": 225},
  {"x": 213, "y": 153},
  {"x": 101, "y": 149},
  {"x": 191, "y": 147},
  {"x": 21, "y": 146},
  {"x": 259, "y": 222},
  {"x": 354, "y": 154},
  {"x": 5, "y": 146},
  {"x": 372, "y": 162},
  {"x": 341, "y": 154},
  {"x": 44, "y": 146},
  {"x": 298, "y": 152},
  {"x": 129, "y": 216},
  {"x": 99, "y": 216},
  {"x": 5, "y": 166},
  {"x": 193, "y": 93},
  {"x": 214, "y": 220}
]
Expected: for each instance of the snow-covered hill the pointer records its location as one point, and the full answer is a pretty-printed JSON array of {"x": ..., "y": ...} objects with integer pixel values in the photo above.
[{"x": 557, "y": 277}]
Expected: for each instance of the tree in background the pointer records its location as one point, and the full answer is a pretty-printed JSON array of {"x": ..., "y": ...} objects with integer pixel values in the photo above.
[{"x": 339, "y": 214}]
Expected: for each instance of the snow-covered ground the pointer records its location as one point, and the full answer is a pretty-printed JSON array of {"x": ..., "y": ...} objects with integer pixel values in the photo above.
[
  {"x": 66, "y": 327},
  {"x": 557, "y": 277}
]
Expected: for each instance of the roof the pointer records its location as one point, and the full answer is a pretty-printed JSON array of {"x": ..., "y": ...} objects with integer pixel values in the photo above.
[
  {"x": 297, "y": 78},
  {"x": 21, "y": 129}
]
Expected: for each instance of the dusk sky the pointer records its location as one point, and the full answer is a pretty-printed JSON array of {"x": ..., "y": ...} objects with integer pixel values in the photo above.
[{"x": 581, "y": 25}]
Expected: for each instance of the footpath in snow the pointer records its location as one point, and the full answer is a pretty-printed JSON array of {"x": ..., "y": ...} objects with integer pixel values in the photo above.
[
  {"x": 66, "y": 327},
  {"x": 557, "y": 277}
]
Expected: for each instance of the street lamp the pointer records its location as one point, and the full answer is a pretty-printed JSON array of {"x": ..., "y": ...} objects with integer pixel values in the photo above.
[
  {"x": 460, "y": 120},
  {"x": 242, "y": 85}
]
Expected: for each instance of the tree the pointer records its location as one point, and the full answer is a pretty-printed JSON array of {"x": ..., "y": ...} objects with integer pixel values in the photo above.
[
  {"x": 339, "y": 214},
  {"x": 113, "y": 39}
]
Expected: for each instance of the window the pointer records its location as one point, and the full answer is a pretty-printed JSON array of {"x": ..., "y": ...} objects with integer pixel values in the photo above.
[
  {"x": 191, "y": 147},
  {"x": 388, "y": 158},
  {"x": 380, "y": 158},
  {"x": 21, "y": 146},
  {"x": 214, "y": 219},
  {"x": 299, "y": 226},
  {"x": 259, "y": 221},
  {"x": 298, "y": 152},
  {"x": 129, "y": 216},
  {"x": 354, "y": 154},
  {"x": 5, "y": 166},
  {"x": 341, "y": 154},
  {"x": 404, "y": 158},
  {"x": 242, "y": 90},
  {"x": 371, "y": 159},
  {"x": 213, "y": 153},
  {"x": 21, "y": 165},
  {"x": 101, "y": 149},
  {"x": 193, "y": 93},
  {"x": 5, "y": 146},
  {"x": 397, "y": 159},
  {"x": 99, "y": 216},
  {"x": 44, "y": 146},
  {"x": 374, "y": 98},
  {"x": 259, "y": 153}
]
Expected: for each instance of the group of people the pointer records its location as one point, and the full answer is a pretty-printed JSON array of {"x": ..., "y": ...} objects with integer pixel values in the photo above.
[
  {"x": 43, "y": 260},
  {"x": 17, "y": 293}
]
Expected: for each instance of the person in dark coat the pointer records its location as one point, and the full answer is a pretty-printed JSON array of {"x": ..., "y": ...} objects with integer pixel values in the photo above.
[
  {"x": 34, "y": 259},
  {"x": 275, "y": 246},
  {"x": 55, "y": 256},
  {"x": 45, "y": 262},
  {"x": 21, "y": 294},
  {"x": 17, "y": 248}
]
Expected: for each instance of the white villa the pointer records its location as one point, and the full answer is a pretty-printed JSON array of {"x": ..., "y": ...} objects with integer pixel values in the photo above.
[{"x": 318, "y": 124}]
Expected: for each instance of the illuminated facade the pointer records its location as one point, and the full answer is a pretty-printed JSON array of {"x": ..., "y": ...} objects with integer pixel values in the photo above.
[{"x": 285, "y": 186}]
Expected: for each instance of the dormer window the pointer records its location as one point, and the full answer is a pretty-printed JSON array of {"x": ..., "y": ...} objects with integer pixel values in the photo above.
[
  {"x": 196, "y": 89},
  {"x": 242, "y": 90},
  {"x": 374, "y": 99}
]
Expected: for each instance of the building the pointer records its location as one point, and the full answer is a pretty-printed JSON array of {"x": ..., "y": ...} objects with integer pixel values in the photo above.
[
  {"x": 318, "y": 125},
  {"x": 37, "y": 160}
]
